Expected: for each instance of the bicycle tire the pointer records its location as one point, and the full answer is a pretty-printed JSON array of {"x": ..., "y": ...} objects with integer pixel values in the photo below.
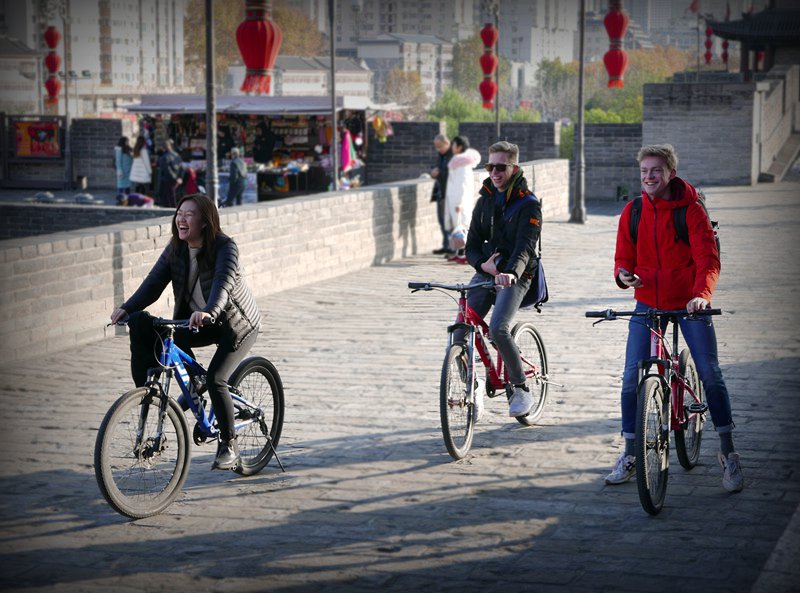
[
  {"x": 144, "y": 483},
  {"x": 689, "y": 436},
  {"x": 455, "y": 411},
  {"x": 534, "y": 362},
  {"x": 652, "y": 444},
  {"x": 258, "y": 381}
]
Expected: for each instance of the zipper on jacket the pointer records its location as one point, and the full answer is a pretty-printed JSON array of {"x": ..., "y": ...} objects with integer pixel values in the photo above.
[{"x": 658, "y": 254}]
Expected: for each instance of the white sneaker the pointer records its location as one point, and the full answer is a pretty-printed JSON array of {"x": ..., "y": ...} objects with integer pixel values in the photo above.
[
  {"x": 732, "y": 479},
  {"x": 480, "y": 390},
  {"x": 520, "y": 402},
  {"x": 623, "y": 471}
]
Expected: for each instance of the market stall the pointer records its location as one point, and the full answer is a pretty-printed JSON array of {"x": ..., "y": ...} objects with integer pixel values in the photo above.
[{"x": 285, "y": 141}]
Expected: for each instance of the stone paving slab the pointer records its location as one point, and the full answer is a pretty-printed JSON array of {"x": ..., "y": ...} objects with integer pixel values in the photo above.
[{"x": 372, "y": 501}]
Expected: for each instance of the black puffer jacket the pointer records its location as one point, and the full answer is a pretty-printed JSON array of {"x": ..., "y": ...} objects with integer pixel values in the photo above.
[
  {"x": 228, "y": 300},
  {"x": 499, "y": 227}
]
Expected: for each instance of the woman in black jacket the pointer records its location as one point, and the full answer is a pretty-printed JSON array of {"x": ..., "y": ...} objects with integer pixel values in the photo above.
[{"x": 209, "y": 288}]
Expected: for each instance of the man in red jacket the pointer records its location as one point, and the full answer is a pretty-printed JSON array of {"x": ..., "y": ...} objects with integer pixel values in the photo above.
[{"x": 668, "y": 273}]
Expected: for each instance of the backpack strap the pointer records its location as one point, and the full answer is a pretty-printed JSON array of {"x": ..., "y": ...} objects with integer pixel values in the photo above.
[
  {"x": 636, "y": 215},
  {"x": 679, "y": 220}
]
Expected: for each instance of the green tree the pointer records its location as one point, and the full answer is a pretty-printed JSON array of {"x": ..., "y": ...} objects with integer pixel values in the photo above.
[
  {"x": 453, "y": 108},
  {"x": 556, "y": 92},
  {"x": 300, "y": 37}
]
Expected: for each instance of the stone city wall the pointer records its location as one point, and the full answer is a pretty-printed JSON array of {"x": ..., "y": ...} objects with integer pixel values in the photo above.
[{"x": 59, "y": 289}]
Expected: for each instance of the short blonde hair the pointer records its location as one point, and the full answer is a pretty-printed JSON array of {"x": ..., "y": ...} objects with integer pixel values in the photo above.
[
  {"x": 512, "y": 150},
  {"x": 665, "y": 151}
]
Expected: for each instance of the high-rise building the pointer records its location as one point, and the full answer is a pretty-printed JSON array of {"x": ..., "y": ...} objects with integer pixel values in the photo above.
[
  {"x": 118, "y": 49},
  {"x": 449, "y": 20}
]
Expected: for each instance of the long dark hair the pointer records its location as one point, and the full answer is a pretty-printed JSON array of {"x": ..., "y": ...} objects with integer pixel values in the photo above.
[
  {"x": 137, "y": 148},
  {"x": 125, "y": 145},
  {"x": 210, "y": 217},
  {"x": 461, "y": 141}
]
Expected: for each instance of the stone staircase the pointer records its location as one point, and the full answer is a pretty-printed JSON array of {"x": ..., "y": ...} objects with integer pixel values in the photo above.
[{"x": 783, "y": 161}]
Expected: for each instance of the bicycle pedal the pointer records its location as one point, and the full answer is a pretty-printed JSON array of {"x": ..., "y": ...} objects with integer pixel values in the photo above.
[{"x": 697, "y": 408}]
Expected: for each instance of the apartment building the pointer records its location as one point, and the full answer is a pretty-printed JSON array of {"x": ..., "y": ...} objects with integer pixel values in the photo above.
[{"x": 119, "y": 49}]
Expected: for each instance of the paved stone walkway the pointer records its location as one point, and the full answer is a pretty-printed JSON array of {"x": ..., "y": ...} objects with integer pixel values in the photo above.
[{"x": 371, "y": 501}]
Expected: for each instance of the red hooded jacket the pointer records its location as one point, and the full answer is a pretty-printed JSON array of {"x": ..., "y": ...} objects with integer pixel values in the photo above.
[{"x": 672, "y": 272}]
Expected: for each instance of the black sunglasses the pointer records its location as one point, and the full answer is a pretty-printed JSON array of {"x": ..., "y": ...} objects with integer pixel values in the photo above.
[{"x": 500, "y": 167}]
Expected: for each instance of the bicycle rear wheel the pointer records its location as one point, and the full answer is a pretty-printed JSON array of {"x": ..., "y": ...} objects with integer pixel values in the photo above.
[
  {"x": 652, "y": 444},
  {"x": 688, "y": 437},
  {"x": 454, "y": 407},
  {"x": 140, "y": 477},
  {"x": 534, "y": 363},
  {"x": 256, "y": 379}
]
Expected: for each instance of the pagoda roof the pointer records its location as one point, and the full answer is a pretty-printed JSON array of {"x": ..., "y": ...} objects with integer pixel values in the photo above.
[{"x": 776, "y": 28}]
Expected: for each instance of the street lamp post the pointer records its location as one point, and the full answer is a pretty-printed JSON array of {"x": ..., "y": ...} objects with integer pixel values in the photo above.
[
  {"x": 578, "y": 213},
  {"x": 211, "y": 108},
  {"x": 335, "y": 131}
]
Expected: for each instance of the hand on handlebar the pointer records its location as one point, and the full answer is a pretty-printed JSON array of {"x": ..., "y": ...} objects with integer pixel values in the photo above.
[
  {"x": 118, "y": 315},
  {"x": 696, "y": 304},
  {"x": 504, "y": 280},
  {"x": 199, "y": 319}
]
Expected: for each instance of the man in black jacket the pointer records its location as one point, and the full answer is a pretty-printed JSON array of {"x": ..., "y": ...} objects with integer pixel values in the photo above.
[
  {"x": 439, "y": 173},
  {"x": 501, "y": 245}
]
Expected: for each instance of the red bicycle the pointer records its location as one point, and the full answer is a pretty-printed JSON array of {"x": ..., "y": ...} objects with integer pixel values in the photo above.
[
  {"x": 460, "y": 381},
  {"x": 669, "y": 397}
]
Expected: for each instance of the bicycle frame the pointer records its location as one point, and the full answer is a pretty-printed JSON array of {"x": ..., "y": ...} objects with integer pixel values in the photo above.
[
  {"x": 174, "y": 362},
  {"x": 469, "y": 320},
  {"x": 668, "y": 370}
]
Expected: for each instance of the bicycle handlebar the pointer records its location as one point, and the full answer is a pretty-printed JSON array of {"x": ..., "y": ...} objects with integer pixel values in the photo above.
[
  {"x": 610, "y": 314},
  {"x": 458, "y": 287}
]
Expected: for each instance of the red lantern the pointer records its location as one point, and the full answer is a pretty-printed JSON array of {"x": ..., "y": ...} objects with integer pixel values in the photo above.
[
  {"x": 488, "y": 90},
  {"x": 725, "y": 51},
  {"x": 52, "y": 37},
  {"x": 259, "y": 40},
  {"x": 615, "y": 59},
  {"x": 708, "y": 44},
  {"x": 52, "y": 61},
  {"x": 53, "y": 86},
  {"x": 488, "y": 63},
  {"x": 489, "y": 35}
]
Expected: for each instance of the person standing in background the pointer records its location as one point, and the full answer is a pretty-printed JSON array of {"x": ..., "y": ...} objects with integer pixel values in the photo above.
[
  {"x": 170, "y": 175},
  {"x": 238, "y": 179},
  {"x": 439, "y": 173},
  {"x": 123, "y": 161},
  {"x": 141, "y": 170}
]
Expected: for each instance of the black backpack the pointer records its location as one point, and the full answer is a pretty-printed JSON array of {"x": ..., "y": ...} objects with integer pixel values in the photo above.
[{"x": 678, "y": 219}]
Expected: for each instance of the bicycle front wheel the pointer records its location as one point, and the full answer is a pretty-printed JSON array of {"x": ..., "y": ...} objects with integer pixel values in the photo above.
[
  {"x": 652, "y": 444},
  {"x": 454, "y": 407},
  {"x": 140, "y": 472},
  {"x": 256, "y": 380},
  {"x": 688, "y": 437},
  {"x": 534, "y": 363}
]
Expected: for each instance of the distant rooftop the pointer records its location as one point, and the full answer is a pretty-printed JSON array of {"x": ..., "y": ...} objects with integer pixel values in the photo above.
[
  {"x": 317, "y": 63},
  {"x": 403, "y": 38},
  {"x": 776, "y": 28}
]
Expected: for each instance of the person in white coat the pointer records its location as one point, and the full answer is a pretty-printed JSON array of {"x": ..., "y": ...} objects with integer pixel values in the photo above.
[
  {"x": 460, "y": 196},
  {"x": 141, "y": 170}
]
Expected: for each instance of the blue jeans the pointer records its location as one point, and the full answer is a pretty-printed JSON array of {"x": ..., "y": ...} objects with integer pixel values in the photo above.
[
  {"x": 506, "y": 304},
  {"x": 701, "y": 339}
]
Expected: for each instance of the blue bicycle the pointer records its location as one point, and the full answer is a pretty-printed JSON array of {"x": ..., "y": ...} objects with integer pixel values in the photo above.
[{"x": 141, "y": 457}]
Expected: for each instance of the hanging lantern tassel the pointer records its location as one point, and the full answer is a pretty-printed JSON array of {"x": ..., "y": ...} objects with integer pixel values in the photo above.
[
  {"x": 615, "y": 59},
  {"x": 259, "y": 40}
]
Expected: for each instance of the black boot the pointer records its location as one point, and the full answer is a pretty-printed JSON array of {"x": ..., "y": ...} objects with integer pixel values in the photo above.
[{"x": 227, "y": 455}]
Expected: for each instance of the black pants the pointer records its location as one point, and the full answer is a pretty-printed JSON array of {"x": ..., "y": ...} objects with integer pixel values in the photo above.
[{"x": 146, "y": 346}]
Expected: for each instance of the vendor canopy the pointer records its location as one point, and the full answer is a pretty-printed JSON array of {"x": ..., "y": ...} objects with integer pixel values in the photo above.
[{"x": 246, "y": 104}]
